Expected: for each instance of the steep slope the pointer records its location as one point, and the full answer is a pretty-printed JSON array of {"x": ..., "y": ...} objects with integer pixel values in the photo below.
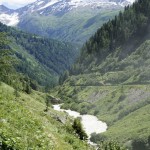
[
  {"x": 73, "y": 20},
  {"x": 111, "y": 78},
  {"x": 27, "y": 120},
  {"x": 4, "y": 9},
  {"x": 40, "y": 58},
  {"x": 117, "y": 38},
  {"x": 25, "y": 125}
]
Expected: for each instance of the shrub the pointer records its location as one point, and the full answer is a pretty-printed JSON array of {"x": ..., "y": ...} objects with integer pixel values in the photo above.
[
  {"x": 97, "y": 137},
  {"x": 77, "y": 126}
]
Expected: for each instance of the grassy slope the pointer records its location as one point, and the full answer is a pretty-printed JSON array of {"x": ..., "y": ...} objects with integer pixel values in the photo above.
[
  {"x": 24, "y": 124},
  {"x": 120, "y": 97}
]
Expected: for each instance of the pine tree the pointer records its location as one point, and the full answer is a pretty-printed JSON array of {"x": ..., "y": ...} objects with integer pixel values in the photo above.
[{"x": 77, "y": 126}]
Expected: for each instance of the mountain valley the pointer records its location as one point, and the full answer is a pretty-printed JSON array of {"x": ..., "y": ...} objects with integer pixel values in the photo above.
[{"x": 81, "y": 55}]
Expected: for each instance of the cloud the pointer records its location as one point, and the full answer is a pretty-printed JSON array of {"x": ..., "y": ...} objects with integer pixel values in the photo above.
[{"x": 16, "y": 3}]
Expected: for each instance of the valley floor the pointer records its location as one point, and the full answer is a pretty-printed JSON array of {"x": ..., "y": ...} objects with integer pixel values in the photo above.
[{"x": 125, "y": 108}]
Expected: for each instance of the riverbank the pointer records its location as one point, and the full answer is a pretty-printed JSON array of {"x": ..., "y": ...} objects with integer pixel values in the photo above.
[{"x": 90, "y": 123}]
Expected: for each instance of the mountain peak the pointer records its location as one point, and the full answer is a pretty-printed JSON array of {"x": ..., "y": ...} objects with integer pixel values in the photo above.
[
  {"x": 8, "y": 16},
  {"x": 4, "y": 9},
  {"x": 46, "y": 7}
]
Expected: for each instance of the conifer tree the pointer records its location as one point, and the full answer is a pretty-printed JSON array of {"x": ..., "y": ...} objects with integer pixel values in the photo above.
[{"x": 7, "y": 60}]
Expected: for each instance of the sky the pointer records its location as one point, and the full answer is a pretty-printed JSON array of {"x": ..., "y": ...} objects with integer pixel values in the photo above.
[{"x": 14, "y": 4}]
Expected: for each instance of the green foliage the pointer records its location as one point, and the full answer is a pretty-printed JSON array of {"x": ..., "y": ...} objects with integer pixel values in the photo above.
[
  {"x": 47, "y": 102},
  {"x": 139, "y": 144},
  {"x": 77, "y": 126},
  {"x": 110, "y": 146},
  {"x": 125, "y": 108},
  {"x": 111, "y": 77},
  {"x": 24, "y": 125},
  {"x": 7, "y": 61},
  {"x": 120, "y": 37},
  {"x": 41, "y": 59},
  {"x": 97, "y": 138},
  {"x": 63, "y": 77}
]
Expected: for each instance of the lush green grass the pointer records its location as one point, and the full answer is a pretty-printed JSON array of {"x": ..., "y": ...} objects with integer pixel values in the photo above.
[{"x": 25, "y": 125}]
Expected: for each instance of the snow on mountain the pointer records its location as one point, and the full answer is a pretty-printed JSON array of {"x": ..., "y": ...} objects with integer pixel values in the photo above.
[
  {"x": 48, "y": 4},
  {"x": 10, "y": 20},
  {"x": 4, "y": 9},
  {"x": 57, "y": 7},
  {"x": 75, "y": 3},
  {"x": 54, "y": 6},
  {"x": 126, "y": 2}
]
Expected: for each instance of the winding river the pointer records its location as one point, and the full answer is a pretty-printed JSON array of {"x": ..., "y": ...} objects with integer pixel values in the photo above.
[{"x": 90, "y": 123}]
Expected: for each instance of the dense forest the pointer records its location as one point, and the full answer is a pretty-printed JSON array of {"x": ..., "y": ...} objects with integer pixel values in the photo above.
[
  {"x": 40, "y": 58},
  {"x": 125, "y": 32}
]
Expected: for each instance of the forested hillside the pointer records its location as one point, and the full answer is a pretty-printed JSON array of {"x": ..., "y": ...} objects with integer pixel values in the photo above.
[
  {"x": 26, "y": 121},
  {"x": 40, "y": 58},
  {"x": 111, "y": 78},
  {"x": 85, "y": 22},
  {"x": 120, "y": 36}
]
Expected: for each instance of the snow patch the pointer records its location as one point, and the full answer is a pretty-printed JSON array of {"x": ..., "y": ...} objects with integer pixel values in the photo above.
[
  {"x": 49, "y": 4},
  {"x": 39, "y": 3},
  {"x": 10, "y": 20}
]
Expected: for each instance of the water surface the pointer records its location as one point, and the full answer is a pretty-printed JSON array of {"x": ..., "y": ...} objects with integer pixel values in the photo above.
[{"x": 90, "y": 123}]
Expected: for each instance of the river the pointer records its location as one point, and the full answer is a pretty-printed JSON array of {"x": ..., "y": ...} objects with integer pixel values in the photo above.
[{"x": 90, "y": 123}]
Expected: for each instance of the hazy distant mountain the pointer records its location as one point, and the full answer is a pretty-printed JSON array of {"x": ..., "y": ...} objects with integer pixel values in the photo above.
[
  {"x": 4, "y": 9},
  {"x": 68, "y": 20},
  {"x": 60, "y": 7}
]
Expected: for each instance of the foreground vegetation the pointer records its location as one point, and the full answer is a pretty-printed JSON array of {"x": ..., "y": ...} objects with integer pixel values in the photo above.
[{"x": 25, "y": 125}]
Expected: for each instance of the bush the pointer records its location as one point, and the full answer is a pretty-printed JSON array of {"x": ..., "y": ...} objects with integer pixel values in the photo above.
[
  {"x": 96, "y": 138},
  {"x": 77, "y": 126},
  {"x": 139, "y": 144},
  {"x": 110, "y": 146}
]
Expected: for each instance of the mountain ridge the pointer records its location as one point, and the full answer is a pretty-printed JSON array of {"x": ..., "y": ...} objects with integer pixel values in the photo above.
[
  {"x": 62, "y": 6},
  {"x": 70, "y": 21}
]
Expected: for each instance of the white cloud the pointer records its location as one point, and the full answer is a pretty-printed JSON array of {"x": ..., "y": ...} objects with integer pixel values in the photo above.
[{"x": 15, "y": 3}]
